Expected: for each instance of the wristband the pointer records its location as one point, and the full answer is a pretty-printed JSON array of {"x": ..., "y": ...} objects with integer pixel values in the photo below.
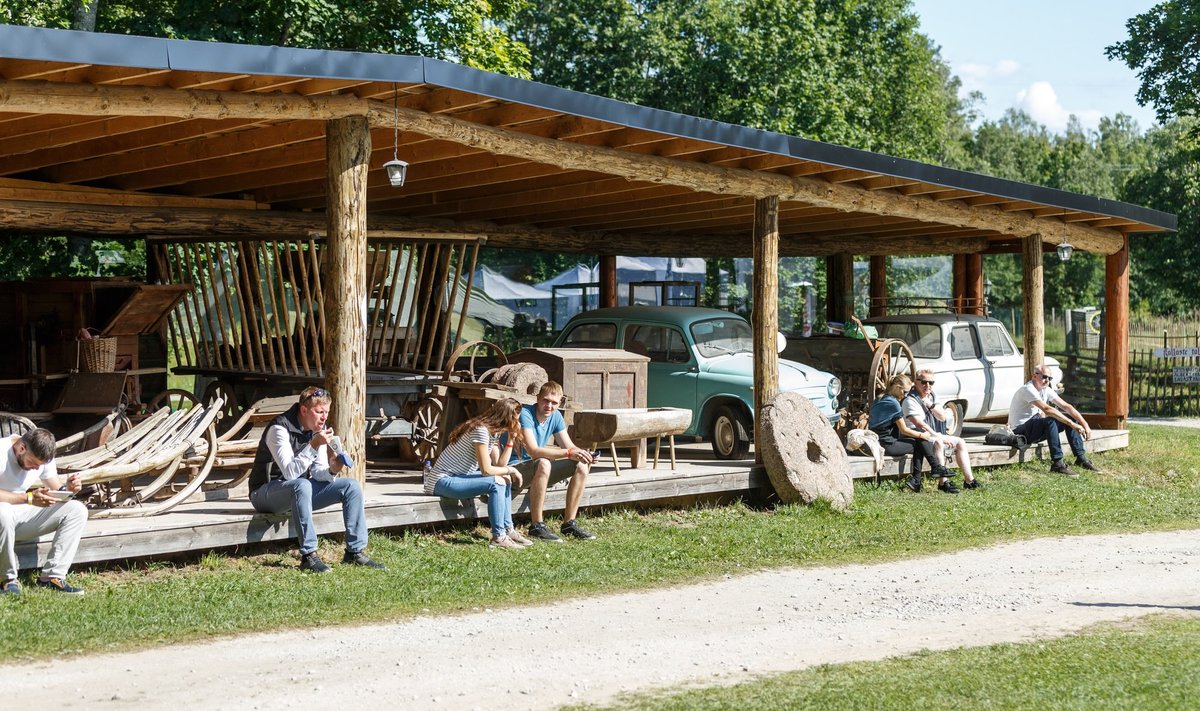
[
  {"x": 29, "y": 497},
  {"x": 570, "y": 451},
  {"x": 508, "y": 446}
]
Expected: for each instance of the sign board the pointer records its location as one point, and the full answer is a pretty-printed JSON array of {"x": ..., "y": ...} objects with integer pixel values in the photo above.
[
  {"x": 1186, "y": 374},
  {"x": 1177, "y": 352}
]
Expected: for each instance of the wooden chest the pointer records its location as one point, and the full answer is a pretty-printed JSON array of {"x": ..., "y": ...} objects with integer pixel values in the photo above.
[{"x": 592, "y": 378}]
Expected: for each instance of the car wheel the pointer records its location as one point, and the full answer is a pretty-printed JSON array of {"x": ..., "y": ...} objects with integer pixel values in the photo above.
[
  {"x": 731, "y": 434},
  {"x": 954, "y": 418}
]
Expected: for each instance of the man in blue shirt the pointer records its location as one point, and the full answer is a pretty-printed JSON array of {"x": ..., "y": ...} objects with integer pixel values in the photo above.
[{"x": 547, "y": 452}]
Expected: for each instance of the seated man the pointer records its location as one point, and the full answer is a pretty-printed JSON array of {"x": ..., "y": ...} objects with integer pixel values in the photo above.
[
  {"x": 538, "y": 460},
  {"x": 1038, "y": 413},
  {"x": 27, "y": 513},
  {"x": 292, "y": 472},
  {"x": 926, "y": 415}
]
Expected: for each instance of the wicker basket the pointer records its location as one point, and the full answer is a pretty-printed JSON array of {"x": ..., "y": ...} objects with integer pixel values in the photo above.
[{"x": 97, "y": 355}]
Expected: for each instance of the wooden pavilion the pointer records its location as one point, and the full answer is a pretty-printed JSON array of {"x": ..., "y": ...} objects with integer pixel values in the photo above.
[{"x": 105, "y": 135}]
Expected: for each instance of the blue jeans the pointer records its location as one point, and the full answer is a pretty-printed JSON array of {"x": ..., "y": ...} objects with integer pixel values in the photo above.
[
  {"x": 1036, "y": 429},
  {"x": 301, "y": 496},
  {"x": 468, "y": 486}
]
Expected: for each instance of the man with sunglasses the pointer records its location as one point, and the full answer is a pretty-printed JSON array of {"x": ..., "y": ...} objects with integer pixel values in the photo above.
[
  {"x": 926, "y": 415},
  {"x": 1038, "y": 413},
  {"x": 293, "y": 471},
  {"x": 29, "y": 509}
]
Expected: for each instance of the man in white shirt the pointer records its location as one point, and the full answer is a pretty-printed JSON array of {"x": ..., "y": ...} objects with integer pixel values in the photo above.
[
  {"x": 29, "y": 510},
  {"x": 292, "y": 472},
  {"x": 1038, "y": 413}
]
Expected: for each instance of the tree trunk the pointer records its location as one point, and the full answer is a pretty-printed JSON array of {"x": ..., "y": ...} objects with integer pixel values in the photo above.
[{"x": 83, "y": 15}]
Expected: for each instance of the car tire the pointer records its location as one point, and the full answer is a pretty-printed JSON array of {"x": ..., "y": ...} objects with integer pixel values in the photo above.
[
  {"x": 730, "y": 434},
  {"x": 954, "y": 418}
]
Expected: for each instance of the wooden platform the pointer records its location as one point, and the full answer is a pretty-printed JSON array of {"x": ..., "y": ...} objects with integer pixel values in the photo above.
[{"x": 395, "y": 500}]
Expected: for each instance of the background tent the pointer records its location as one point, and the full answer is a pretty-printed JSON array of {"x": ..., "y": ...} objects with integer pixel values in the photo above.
[{"x": 513, "y": 294}]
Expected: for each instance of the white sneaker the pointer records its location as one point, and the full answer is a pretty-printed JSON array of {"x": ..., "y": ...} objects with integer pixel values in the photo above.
[
  {"x": 505, "y": 542},
  {"x": 520, "y": 539}
]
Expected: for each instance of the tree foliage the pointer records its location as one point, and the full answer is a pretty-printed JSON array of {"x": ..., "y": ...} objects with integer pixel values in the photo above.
[
  {"x": 1164, "y": 49},
  {"x": 464, "y": 32},
  {"x": 853, "y": 72}
]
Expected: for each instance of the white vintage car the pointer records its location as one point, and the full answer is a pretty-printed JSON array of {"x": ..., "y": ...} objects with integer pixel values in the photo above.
[{"x": 977, "y": 365}]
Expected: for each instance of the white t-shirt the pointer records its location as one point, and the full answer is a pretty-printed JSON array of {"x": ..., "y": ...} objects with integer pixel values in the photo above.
[
  {"x": 1022, "y": 409},
  {"x": 15, "y": 479}
]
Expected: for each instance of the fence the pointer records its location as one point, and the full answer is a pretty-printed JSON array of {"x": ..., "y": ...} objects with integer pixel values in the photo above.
[{"x": 1154, "y": 390}]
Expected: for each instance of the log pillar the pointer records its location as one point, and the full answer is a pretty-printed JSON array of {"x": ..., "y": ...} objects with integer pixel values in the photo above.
[
  {"x": 608, "y": 280},
  {"x": 877, "y": 299},
  {"x": 1033, "y": 309},
  {"x": 958, "y": 286},
  {"x": 839, "y": 287},
  {"x": 347, "y": 151},
  {"x": 1116, "y": 336},
  {"x": 973, "y": 283},
  {"x": 766, "y": 306}
]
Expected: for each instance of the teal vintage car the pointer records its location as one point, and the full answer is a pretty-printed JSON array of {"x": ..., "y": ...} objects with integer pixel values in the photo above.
[{"x": 700, "y": 360}]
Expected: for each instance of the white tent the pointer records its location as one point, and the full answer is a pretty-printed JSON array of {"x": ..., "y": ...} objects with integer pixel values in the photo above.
[{"x": 513, "y": 294}]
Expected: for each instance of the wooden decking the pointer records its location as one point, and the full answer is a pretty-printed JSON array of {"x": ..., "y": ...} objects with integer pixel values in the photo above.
[{"x": 395, "y": 500}]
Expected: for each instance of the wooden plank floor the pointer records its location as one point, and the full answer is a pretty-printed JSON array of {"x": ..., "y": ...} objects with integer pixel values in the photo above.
[{"x": 395, "y": 500}]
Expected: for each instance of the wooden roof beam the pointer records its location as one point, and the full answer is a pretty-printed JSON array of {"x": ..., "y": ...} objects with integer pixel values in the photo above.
[{"x": 730, "y": 181}]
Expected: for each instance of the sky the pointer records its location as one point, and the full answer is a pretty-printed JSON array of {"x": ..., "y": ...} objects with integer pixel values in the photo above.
[{"x": 1044, "y": 57}]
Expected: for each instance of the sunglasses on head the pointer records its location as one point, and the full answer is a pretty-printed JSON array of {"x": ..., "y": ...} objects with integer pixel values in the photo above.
[
  {"x": 927, "y": 382},
  {"x": 320, "y": 392}
]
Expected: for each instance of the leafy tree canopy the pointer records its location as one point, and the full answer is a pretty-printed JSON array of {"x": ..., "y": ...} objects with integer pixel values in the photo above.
[
  {"x": 464, "y": 32},
  {"x": 1164, "y": 49}
]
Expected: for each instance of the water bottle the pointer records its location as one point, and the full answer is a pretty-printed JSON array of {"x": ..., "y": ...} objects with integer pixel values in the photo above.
[
  {"x": 335, "y": 444},
  {"x": 426, "y": 470}
]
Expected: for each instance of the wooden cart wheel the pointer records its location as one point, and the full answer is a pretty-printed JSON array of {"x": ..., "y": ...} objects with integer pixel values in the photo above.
[
  {"x": 173, "y": 399},
  {"x": 231, "y": 411},
  {"x": 473, "y": 349},
  {"x": 427, "y": 429},
  {"x": 892, "y": 357}
]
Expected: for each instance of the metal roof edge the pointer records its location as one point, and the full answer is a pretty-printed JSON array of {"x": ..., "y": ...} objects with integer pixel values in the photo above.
[{"x": 155, "y": 52}]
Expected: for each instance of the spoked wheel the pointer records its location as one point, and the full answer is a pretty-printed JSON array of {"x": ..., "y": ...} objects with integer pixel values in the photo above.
[
  {"x": 231, "y": 411},
  {"x": 174, "y": 400},
  {"x": 427, "y": 429},
  {"x": 471, "y": 350},
  {"x": 892, "y": 357}
]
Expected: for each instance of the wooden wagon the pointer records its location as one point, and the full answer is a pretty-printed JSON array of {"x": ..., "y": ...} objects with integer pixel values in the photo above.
[{"x": 254, "y": 325}]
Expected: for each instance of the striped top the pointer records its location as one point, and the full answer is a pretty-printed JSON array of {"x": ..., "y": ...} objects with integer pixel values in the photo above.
[{"x": 459, "y": 458}]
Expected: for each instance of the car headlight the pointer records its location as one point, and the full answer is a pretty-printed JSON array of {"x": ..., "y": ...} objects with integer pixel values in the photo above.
[{"x": 835, "y": 388}]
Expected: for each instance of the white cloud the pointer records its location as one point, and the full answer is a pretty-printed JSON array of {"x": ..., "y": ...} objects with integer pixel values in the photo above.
[
  {"x": 975, "y": 77},
  {"x": 1041, "y": 102}
]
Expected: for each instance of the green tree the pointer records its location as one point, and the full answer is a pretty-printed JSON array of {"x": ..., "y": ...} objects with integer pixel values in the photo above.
[
  {"x": 1164, "y": 49},
  {"x": 464, "y": 32}
]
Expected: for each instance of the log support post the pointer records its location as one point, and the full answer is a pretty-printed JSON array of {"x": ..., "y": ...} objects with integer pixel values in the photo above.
[
  {"x": 973, "y": 283},
  {"x": 839, "y": 287},
  {"x": 879, "y": 286},
  {"x": 1033, "y": 313},
  {"x": 766, "y": 306},
  {"x": 1116, "y": 335},
  {"x": 348, "y": 149},
  {"x": 608, "y": 281}
]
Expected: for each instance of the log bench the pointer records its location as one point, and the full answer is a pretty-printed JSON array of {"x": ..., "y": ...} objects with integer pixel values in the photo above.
[{"x": 595, "y": 428}]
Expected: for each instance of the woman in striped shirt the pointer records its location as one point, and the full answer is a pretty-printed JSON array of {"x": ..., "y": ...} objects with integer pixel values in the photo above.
[{"x": 474, "y": 463}]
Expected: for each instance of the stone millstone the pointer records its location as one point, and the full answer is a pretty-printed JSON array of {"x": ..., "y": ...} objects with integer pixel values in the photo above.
[
  {"x": 802, "y": 454},
  {"x": 527, "y": 378}
]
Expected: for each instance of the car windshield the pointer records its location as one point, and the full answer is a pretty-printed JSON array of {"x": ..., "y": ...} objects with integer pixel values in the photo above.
[
  {"x": 925, "y": 339},
  {"x": 722, "y": 336}
]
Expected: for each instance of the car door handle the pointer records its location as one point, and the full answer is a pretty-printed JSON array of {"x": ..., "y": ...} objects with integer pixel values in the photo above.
[{"x": 693, "y": 369}]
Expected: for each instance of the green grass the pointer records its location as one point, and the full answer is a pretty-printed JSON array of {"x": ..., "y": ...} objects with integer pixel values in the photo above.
[
  {"x": 1148, "y": 664},
  {"x": 1154, "y": 485}
]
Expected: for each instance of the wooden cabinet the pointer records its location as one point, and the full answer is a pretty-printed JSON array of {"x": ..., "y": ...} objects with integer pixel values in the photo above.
[{"x": 592, "y": 378}]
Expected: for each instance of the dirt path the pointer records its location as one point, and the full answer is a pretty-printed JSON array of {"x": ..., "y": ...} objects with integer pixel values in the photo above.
[{"x": 590, "y": 650}]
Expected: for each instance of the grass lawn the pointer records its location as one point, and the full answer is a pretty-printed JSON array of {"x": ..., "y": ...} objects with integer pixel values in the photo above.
[
  {"x": 1153, "y": 485},
  {"x": 1156, "y": 658}
]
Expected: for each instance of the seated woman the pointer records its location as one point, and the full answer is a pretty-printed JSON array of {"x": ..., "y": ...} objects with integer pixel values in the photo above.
[
  {"x": 474, "y": 464},
  {"x": 898, "y": 438}
]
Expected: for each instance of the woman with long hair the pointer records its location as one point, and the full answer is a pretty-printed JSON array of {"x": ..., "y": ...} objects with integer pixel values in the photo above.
[
  {"x": 474, "y": 463},
  {"x": 898, "y": 437}
]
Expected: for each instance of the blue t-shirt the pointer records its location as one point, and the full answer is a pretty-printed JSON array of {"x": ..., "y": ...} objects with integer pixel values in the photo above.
[
  {"x": 543, "y": 433},
  {"x": 884, "y": 414}
]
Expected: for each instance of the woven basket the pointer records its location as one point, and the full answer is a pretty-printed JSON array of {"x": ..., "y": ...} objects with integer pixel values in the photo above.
[{"x": 98, "y": 355}]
